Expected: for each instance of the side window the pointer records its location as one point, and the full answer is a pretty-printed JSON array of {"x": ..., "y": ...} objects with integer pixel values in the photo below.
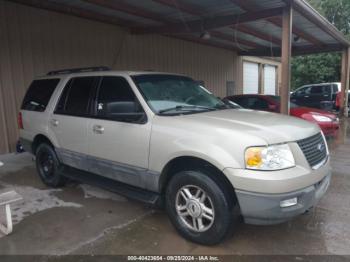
[
  {"x": 260, "y": 104},
  {"x": 307, "y": 90},
  {"x": 316, "y": 90},
  {"x": 327, "y": 89},
  {"x": 302, "y": 91},
  {"x": 242, "y": 101},
  {"x": 117, "y": 101},
  {"x": 39, "y": 94},
  {"x": 334, "y": 89},
  {"x": 75, "y": 97}
]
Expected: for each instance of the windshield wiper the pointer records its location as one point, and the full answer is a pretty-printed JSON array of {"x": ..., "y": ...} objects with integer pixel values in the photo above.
[{"x": 186, "y": 108}]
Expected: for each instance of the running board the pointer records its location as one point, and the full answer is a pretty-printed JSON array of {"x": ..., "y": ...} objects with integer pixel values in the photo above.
[{"x": 123, "y": 189}]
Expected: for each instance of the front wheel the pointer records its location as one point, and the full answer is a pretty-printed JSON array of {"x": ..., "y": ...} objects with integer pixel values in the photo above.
[{"x": 200, "y": 208}]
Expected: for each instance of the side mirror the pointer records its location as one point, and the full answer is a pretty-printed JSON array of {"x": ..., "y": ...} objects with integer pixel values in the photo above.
[{"x": 126, "y": 111}]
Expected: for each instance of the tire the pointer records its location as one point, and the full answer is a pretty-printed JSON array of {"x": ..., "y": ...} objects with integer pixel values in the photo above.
[
  {"x": 215, "y": 226},
  {"x": 48, "y": 166}
]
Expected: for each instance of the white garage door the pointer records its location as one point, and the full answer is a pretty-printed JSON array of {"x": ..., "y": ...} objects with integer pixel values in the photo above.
[
  {"x": 250, "y": 78},
  {"x": 269, "y": 80}
]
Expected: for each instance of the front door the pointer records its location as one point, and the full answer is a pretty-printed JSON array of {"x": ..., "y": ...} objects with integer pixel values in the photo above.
[{"x": 119, "y": 134}]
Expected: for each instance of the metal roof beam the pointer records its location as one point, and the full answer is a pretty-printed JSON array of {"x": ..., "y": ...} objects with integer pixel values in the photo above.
[
  {"x": 236, "y": 40},
  {"x": 251, "y": 31},
  {"x": 296, "y": 50},
  {"x": 193, "y": 10},
  {"x": 78, "y": 12},
  {"x": 184, "y": 7},
  {"x": 314, "y": 17},
  {"x": 201, "y": 25},
  {"x": 248, "y": 6},
  {"x": 122, "y": 6}
]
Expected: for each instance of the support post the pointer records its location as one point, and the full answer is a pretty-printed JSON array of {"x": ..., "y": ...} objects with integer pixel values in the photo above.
[
  {"x": 261, "y": 79},
  {"x": 287, "y": 23},
  {"x": 346, "y": 99},
  {"x": 344, "y": 81}
]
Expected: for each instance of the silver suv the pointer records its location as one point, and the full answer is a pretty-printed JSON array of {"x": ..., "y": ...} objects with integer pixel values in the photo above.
[{"x": 166, "y": 140}]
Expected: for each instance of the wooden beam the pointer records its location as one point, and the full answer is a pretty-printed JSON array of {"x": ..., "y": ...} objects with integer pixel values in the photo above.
[
  {"x": 345, "y": 69},
  {"x": 249, "y": 6},
  {"x": 261, "y": 79},
  {"x": 346, "y": 97},
  {"x": 211, "y": 23},
  {"x": 287, "y": 23}
]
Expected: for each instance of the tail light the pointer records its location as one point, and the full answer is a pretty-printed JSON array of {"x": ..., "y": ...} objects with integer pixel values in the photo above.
[{"x": 20, "y": 121}]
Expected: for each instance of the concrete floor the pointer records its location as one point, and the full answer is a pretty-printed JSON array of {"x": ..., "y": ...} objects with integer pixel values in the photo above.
[{"x": 81, "y": 219}]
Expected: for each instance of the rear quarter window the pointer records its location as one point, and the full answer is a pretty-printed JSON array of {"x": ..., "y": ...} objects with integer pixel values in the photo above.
[{"x": 39, "y": 94}]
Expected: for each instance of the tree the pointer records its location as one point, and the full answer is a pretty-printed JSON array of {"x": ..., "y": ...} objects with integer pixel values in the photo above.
[{"x": 323, "y": 67}]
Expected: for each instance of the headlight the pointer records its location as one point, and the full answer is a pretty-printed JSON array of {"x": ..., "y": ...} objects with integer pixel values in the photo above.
[
  {"x": 269, "y": 157},
  {"x": 320, "y": 118}
]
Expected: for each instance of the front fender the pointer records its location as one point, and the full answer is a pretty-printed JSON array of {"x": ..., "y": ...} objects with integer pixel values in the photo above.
[{"x": 212, "y": 153}]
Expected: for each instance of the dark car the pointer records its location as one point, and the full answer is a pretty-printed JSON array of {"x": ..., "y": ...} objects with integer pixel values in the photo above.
[
  {"x": 328, "y": 122},
  {"x": 321, "y": 96}
]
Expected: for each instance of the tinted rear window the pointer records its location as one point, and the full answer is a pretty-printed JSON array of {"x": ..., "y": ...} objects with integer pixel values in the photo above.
[{"x": 39, "y": 94}]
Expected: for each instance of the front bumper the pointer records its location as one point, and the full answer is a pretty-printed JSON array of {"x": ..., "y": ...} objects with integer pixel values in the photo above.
[{"x": 264, "y": 209}]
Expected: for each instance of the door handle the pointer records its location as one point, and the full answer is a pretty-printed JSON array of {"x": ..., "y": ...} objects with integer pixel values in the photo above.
[
  {"x": 97, "y": 129},
  {"x": 306, "y": 96},
  {"x": 54, "y": 122}
]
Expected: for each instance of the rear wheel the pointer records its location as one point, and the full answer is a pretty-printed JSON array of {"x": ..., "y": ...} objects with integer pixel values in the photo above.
[
  {"x": 200, "y": 207},
  {"x": 48, "y": 166}
]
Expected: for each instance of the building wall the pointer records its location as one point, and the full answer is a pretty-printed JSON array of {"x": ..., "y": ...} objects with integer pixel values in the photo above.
[{"x": 35, "y": 41}]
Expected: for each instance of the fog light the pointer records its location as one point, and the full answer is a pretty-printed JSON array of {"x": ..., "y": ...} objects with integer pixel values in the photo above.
[{"x": 289, "y": 202}]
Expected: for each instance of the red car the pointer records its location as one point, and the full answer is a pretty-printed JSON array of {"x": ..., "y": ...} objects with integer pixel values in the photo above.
[{"x": 328, "y": 122}]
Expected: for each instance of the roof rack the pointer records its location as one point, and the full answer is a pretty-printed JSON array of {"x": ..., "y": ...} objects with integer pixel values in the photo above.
[{"x": 78, "y": 70}]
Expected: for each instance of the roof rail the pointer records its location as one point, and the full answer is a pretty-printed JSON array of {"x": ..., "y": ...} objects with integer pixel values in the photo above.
[{"x": 78, "y": 70}]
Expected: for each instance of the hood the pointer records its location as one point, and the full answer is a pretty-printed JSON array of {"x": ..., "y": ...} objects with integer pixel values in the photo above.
[{"x": 271, "y": 127}]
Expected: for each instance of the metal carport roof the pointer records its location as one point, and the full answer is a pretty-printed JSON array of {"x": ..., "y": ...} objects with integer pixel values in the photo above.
[{"x": 250, "y": 27}]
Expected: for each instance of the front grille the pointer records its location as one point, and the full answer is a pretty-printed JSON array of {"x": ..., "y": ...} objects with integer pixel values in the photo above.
[{"x": 314, "y": 149}]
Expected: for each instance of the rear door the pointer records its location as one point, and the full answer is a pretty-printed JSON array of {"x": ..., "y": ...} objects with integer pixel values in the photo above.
[
  {"x": 69, "y": 121},
  {"x": 119, "y": 133}
]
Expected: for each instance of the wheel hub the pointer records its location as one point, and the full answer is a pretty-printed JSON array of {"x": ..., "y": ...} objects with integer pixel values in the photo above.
[{"x": 194, "y": 208}]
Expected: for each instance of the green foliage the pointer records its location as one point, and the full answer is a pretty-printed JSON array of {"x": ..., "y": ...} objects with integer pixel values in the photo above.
[
  {"x": 323, "y": 67},
  {"x": 313, "y": 69}
]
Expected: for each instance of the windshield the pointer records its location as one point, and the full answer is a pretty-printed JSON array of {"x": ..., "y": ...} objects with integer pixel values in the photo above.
[
  {"x": 278, "y": 99},
  {"x": 169, "y": 94}
]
